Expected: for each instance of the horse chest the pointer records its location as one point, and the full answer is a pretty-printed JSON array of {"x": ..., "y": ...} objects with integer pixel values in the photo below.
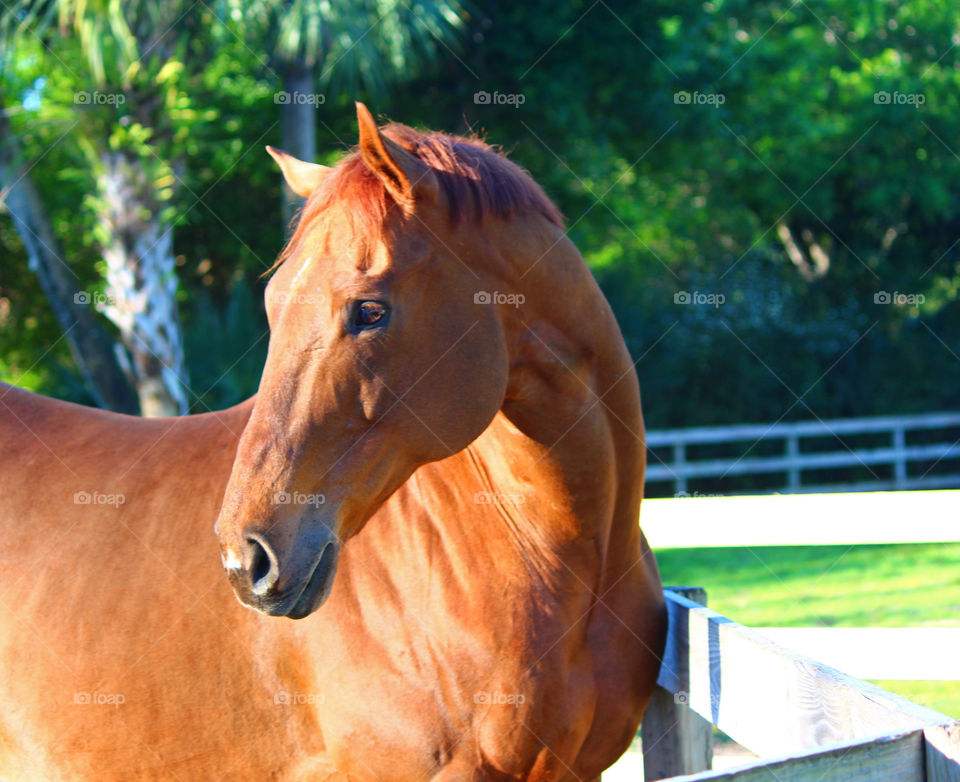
[
  {"x": 439, "y": 647},
  {"x": 487, "y": 681}
]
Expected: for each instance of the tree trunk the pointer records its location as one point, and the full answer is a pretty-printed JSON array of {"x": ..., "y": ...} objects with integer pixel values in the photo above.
[
  {"x": 141, "y": 295},
  {"x": 298, "y": 124},
  {"x": 92, "y": 349}
]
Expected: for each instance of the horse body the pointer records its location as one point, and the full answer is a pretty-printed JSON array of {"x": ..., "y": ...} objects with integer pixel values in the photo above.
[
  {"x": 105, "y": 600},
  {"x": 497, "y": 616}
]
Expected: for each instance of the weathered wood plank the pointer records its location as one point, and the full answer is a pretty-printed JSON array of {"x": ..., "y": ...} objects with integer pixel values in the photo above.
[
  {"x": 942, "y": 748},
  {"x": 770, "y": 699},
  {"x": 887, "y": 759},
  {"x": 676, "y": 740}
]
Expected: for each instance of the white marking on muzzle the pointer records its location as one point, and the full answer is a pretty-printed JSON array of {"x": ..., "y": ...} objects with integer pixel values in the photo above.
[{"x": 231, "y": 561}]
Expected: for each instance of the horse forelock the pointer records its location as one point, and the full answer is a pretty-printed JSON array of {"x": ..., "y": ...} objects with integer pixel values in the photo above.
[{"x": 477, "y": 182}]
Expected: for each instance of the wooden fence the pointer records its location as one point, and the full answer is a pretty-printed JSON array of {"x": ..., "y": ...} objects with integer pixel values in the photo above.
[
  {"x": 912, "y": 452},
  {"x": 806, "y": 721}
]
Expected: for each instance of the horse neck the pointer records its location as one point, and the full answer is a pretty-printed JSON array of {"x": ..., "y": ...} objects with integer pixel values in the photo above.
[{"x": 560, "y": 469}]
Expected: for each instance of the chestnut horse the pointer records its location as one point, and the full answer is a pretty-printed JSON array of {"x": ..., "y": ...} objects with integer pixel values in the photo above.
[{"x": 440, "y": 475}]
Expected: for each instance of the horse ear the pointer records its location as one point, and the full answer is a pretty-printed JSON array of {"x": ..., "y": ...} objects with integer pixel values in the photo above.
[
  {"x": 302, "y": 178},
  {"x": 406, "y": 177}
]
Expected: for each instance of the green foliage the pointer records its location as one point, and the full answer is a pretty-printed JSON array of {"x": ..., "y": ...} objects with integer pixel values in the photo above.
[
  {"x": 661, "y": 196},
  {"x": 350, "y": 44},
  {"x": 33, "y": 354},
  {"x": 664, "y": 196},
  {"x": 235, "y": 333}
]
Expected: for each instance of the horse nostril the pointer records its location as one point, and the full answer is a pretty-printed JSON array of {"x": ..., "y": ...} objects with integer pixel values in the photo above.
[
  {"x": 264, "y": 569},
  {"x": 261, "y": 562}
]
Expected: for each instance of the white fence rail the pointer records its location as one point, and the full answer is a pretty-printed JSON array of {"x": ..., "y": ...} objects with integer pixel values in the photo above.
[
  {"x": 895, "y": 653},
  {"x": 846, "y": 519},
  {"x": 902, "y": 451},
  {"x": 868, "y": 518},
  {"x": 789, "y": 694},
  {"x": 807, "y": 721}
]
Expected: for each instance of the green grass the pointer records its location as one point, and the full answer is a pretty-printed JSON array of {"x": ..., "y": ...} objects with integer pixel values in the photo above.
[{"x": 912, "y": 585}]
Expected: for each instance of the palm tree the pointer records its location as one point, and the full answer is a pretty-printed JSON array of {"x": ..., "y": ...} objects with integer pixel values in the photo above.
[
  {"x": 92, "y": 350},
  {"x": 132, "y": 51},
  {"x": 341, "y": 45},
  {"x": 145, "y": 50}
]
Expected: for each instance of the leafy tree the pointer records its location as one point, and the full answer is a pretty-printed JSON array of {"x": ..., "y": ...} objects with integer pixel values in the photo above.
[
  {"x": 798, "y": 198},
  {"x": 342, "y": 46},
  {"x": 784, "y": 161},
  {"x": 145, "y": 62},
  {"x": 90, "y": 348},
  {"x": 132, "y": 110}
]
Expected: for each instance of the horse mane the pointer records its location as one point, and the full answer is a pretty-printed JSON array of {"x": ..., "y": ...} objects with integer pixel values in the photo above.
[{"x": 477, "y": 181}]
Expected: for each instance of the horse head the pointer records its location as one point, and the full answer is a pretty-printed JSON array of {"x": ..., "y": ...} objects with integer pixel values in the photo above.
[{"x": 388, "y": 348}]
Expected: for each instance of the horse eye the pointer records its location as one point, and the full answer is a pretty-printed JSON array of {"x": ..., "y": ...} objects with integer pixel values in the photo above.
[{"x": 369, "y": 313}]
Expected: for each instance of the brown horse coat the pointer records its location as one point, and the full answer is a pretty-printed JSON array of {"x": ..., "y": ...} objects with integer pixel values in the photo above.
[{"x": 448, "y": 494}]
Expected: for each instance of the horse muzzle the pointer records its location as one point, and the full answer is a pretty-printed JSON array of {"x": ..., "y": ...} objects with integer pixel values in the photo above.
[{"x": 295, "y": 588}]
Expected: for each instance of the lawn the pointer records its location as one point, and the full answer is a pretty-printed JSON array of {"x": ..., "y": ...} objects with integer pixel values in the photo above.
[{"x": 906, "y": 585}]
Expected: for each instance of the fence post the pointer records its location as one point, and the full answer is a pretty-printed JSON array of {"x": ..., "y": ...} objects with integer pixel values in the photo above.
[
  {"x": 899, "y": 458},
  {"x": 793, "y": 472},
  {"x": 676, "y": 740},
  {"x": 680, "y": 461}
]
